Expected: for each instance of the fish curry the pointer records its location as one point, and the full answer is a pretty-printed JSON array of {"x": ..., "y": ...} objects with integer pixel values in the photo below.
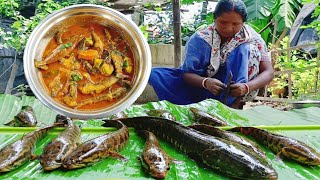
[{"x": 87, "y": 66}]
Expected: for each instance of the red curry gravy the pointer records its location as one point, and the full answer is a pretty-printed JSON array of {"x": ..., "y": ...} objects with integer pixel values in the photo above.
[{"x": 87, "y": 45}]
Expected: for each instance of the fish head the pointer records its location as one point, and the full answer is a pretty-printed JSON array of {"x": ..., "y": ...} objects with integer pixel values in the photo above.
[
  {"x": 240, "y": 164},
  {"x": 62, "y": 119},
  {"x": 157, "y": 166},
  {"x": 303, "y": 154},
  {"x": 49, "y": 166},
  {"x": 72, "y": 163},
  {"x": 5, "y": 168},
  {"x": 26, "y": 118}
]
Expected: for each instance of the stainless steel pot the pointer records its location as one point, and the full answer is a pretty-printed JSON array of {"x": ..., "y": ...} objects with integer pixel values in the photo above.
[
  {"x": 305, "y": 104},
  {"x": 72, "y": 15}
]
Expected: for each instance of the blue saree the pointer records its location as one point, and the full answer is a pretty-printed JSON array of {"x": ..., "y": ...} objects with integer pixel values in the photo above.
[{"x": 200, "y": 55}]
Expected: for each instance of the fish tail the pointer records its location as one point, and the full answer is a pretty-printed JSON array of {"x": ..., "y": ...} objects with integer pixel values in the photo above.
[
  {"x": 11, "y": 123},
  {"x": 113, "y": 123},
  {"x": 235, "y": 129}
]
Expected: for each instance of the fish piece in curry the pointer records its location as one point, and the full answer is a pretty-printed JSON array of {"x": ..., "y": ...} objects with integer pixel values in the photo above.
[{"x": 87, "y": 67}]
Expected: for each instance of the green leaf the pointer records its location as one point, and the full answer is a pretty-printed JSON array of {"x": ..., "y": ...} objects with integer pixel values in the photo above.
[
  {"x": 64, "y": 46},
  {"x": 287, "y": 11},
  {"x": 259, "y": 9},
  {"x": 289, "y": 124}
]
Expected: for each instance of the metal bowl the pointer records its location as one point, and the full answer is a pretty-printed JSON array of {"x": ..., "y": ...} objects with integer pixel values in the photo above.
[
  {"x": 305, "y": 104},
  {"x": 72, "y": 15}
]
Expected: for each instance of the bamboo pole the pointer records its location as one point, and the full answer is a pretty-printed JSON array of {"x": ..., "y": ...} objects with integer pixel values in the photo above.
[
  {"x": 12, "y": 77},
  {"x": 177, "y": 33},
  {"x": 103, "y": 130},
  {"x": 289, "y": 74}
]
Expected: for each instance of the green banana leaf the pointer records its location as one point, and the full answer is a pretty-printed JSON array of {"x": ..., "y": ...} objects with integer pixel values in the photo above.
[{"x": 302, "y": 124}]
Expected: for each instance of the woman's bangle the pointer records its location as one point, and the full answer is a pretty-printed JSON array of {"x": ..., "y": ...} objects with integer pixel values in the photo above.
[
  {"x": 247, "y": 88},
  {"x": 204, "y": 83}
]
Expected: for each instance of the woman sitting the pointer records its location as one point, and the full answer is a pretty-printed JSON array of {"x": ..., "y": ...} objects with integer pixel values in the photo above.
[{"x": 212, "y": 54}]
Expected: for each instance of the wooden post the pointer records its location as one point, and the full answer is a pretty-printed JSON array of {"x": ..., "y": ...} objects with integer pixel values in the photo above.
[
  {"x": 317, "y": 73},
  {"x": 289, "y": 74},
  {"x": 274, "y": 34},
  {"x": 12, "y": 77},
  {"x": 177, "y": 33}
]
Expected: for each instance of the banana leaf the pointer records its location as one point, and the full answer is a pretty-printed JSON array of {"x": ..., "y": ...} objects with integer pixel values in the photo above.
[{"x": 302, "y": 124}]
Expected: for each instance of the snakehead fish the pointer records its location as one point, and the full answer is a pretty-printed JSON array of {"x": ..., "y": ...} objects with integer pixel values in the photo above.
[
  {"x": 216, "y": 132},
  {"x": 161, "y": 113},
  {"x": 204, "y": 118},
  {"x": 59, "y": 148},
  {"x": 154, "y": 159},
  {"x": 98, "y": 148},
  {"x": 224, "y": 156},
  {"x": 281, "y": 145},
  {"x": 25, "y": 118},
  {"x": 16, "y": 154}
]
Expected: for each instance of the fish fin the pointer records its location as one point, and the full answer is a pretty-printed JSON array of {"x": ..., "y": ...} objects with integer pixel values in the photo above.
[
  {"x": 279, "y": 156},
  {"x": 117, "y": 155},
  {"x": 41, "y": 123},
  {"x": 175, "y": 161},
  {"x": 235, "y": 129},
  {"x": 34, "y": 157},
  {"x": 12, "y": 123}
]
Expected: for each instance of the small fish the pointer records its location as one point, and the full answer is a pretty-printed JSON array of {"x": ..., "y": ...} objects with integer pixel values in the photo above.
[
  {"x": 60, "y": 52},
  {"x": 96, "y": 88},
  {"x": 226, "y": 157},
  {"x": 161, "y": 113},
  {"x": 98, "y": 44},
  {"x": 98, "y": 148},
  {"x": 154, "y": 159},
  {"x": 25, "y": 118},
  {"x": 16, "y": 154},
  {"x": 118, "y": 61},
  {"x": 216, "y": 132},
  {"x": 283, "y": 146},
  {"x": 111, "y": 95},
  {"x": 59, "y": 148},
  {"x": 204, "y": 118}
]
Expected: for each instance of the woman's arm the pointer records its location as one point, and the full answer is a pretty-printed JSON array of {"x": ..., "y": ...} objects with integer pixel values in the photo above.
[
  {"x": 265, "y": 77},
  {"x": 215, "y": 86}
]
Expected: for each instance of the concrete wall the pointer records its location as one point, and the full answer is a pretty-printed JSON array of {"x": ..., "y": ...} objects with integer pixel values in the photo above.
[{"x": 162, "y": 56}]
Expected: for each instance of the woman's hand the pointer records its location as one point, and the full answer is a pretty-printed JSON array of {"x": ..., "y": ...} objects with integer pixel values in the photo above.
[
  {"x": 215, "y": 86},
  {"x": 238, "y": 89}
]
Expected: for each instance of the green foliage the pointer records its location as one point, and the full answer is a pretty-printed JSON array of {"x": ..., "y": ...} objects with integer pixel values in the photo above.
[
  {"x": 259, "y": 9},
  {"x": 287, "y": 12},
  {"x": 8, "y": 8},
  {"x": 22, "y": 26},
  {"x": 316, "y": 23},
  {"x": 303, "y": 81},
  {"x": 190, "y": 1},
  {"x": 261, "y": 12}
]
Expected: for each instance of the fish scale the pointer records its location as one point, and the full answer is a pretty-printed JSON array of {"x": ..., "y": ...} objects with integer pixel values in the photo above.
[
  {"x": 19, "y": 152},
  {"x": 281, "y": 145},
  {"x": 60, "y": 147},
  {"x": 216, "y": 132},
  {"x": 226, "y": 157},
  {"x": 98, "y": 148},
  {"x": 154, "y": 159}
]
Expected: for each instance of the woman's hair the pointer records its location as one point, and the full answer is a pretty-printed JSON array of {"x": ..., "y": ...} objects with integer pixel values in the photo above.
[{"x": 225, "y": 6}]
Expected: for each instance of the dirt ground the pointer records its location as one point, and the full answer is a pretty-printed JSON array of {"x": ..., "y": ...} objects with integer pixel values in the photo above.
[{"x": 276, "y": 105}]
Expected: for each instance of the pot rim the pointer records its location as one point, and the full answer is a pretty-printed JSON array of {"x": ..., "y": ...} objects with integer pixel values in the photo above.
[{"x": 123, "y": 103}]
